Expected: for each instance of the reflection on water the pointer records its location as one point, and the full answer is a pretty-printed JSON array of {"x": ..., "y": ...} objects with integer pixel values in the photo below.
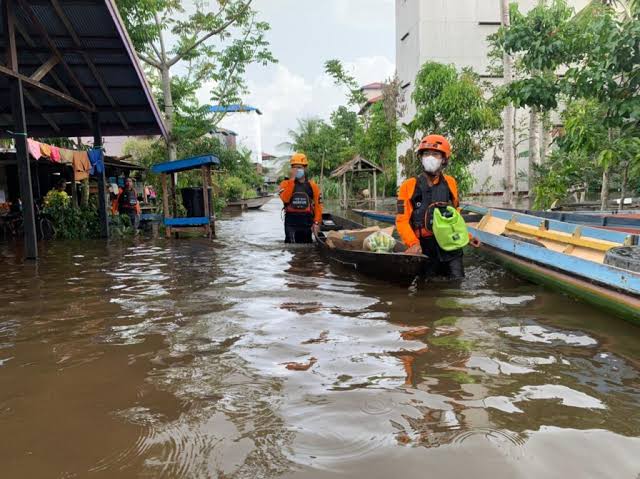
[{"x": 173, "y": 359}]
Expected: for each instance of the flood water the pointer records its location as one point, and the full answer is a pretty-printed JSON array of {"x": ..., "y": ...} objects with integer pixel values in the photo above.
[{"x": 169, "y": 359}]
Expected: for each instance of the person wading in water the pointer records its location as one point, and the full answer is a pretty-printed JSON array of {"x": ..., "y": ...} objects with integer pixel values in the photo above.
[
  {"x": 302, "y": 203},
  {"x": 418, "y": 197}
]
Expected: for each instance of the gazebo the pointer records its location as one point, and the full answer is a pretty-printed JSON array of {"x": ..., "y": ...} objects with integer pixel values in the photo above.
[
  {"x": 70, "y": 71},
  {"x": 357, "y": 165}
]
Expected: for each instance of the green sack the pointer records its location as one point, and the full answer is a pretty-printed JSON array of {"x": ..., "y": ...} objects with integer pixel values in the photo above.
[{"x": 450, "y": 229}]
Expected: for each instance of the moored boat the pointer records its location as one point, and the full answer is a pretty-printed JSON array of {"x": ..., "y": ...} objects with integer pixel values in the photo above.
[
  {"x": 575, "y": 259},
  {"x": 396, "y": 264}
]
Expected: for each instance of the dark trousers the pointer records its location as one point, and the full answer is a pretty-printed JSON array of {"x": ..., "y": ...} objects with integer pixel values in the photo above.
[
  {"x": 441, "y": 262},
  {"x": 297, "y": 228}
]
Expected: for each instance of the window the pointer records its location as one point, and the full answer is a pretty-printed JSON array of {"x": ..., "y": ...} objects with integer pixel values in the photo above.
[
  {"x": 406, "y": 85},
  {"x": 492, "y": 24},
  {"x": 404, "y": 37}
]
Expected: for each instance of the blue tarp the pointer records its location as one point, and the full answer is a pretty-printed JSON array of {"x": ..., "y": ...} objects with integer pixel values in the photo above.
[
  {"x": 186, "y": 164},
  {"x": 195, "y": 221},
  {"x": 233, "y": 109}
]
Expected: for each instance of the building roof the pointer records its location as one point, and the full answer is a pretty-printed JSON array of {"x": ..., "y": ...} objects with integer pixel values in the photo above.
[
  {"x": 370, "y": 102},
  {"x": 373, "y": 86},
  {"x": 75, "y": 58},
  {"x": 234, "y": 109},
  {"x": 356, "y": 164},
  {"x": 267, "y": 156},
  {"x": 224, "y": 131}
]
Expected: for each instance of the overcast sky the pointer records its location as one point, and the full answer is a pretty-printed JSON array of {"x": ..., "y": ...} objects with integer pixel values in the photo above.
[{"x": 304, "y": 34}]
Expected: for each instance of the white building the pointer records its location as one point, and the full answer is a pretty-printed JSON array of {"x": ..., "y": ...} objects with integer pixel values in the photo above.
[{"x": 452, "y": 31}]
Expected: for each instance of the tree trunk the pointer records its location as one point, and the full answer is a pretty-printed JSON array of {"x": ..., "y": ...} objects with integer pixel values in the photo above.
[
  {"x": 625, "y": 180},
  {"x": 604, "y": 192},
  {"x": 546, "y": 137},
  {"x": 168, "y": 112},
  {"x": 534, "y": 150},
  {"x": 509, "y": 160}
]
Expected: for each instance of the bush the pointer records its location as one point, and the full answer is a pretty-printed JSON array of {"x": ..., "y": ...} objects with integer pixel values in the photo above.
[{"x": 233, "y": 188}]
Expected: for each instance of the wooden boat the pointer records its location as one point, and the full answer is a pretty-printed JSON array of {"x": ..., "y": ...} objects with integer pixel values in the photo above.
[
  {"x": 567, "y": 257},
  {"x": 259, "y": 202},
  {"x": 396, "y": 264},
  {"x": 248, "y": 204}
]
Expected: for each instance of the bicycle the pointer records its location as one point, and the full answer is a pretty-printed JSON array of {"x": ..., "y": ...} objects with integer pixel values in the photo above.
[{"x": 44, "y": 226}]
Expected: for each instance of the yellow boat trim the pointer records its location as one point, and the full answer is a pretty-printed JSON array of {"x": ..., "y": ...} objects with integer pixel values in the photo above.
[{"x": 572, "y": 240}]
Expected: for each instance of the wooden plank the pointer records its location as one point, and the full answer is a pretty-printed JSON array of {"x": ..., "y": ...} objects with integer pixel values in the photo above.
[
  {"x": 165, "y": 203},
  {"x": 598, "y": 245},
  {"x": 45, "y": 68},
  {"x": 46, "y": 89},
  {"x": 205, "y": 198}
]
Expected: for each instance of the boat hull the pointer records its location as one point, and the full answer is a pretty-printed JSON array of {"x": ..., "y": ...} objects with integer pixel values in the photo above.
[
  {"x": 383, "y": 265},
  {"x": 622, "y": 305}
]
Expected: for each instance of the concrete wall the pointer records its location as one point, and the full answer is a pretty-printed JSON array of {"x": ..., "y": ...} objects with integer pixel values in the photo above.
[{"x": 452, "y": 31}]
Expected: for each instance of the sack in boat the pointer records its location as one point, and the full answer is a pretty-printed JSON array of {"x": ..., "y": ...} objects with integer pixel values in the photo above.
[
  {"x": 349, "y": 239},
  {"x": 450, "y": 229},
  {"x": 380, "y": 242}
]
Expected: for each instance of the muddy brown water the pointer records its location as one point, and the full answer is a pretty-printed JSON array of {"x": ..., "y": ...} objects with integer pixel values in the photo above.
[{"x": 168, "y": 359}]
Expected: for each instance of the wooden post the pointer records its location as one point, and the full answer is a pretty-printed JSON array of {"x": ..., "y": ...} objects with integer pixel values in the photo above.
[
  {"x": 205, "y": 198},
  {"x": 102, "y": 200},
  {"x": 165, "y": 203},
  {"x": 20, "y": 134},
  {"x": 174, "y": 203},
  {"x": 375, "y": 189},
  {"x": 345, "y": 203}
]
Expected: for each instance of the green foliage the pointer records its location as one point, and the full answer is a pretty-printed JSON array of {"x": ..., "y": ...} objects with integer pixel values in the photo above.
[
  {"x": 233, "y": 188},
  {"x": 336, "y": 70},
  {"x": 452, "y": 104},
  {"x": 72, "y": 223}
]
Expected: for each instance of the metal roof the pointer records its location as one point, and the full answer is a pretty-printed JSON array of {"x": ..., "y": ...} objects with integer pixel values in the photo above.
[
  {"x": 233, "y": 109},
  {"x": 356, "y": 164},
  {"x": 93, "y": 62},
  {"x": 187, "y": 164}
]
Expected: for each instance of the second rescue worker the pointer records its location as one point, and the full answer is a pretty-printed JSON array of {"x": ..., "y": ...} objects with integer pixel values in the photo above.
[
  {"x": 302, "y": 203},
  {"x": 417, "y": 199}
]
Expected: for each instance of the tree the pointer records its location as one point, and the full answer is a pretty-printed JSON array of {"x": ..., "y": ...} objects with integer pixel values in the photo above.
[
  {"x": 605, "y": 69},
  {"x": 509, "y": 117},
  {"x": 541, "y": 43},
  {"x": 335, "y": 69},
  {"x": 453, "y": 104},
  {"x": 205, "y": 47}
]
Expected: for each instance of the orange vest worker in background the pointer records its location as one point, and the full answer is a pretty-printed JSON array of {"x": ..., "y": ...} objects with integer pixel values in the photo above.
[{"x": 302, "y": 203}]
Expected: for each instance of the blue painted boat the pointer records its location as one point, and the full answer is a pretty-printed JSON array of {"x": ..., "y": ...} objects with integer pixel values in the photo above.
[{"x": 578, "y": 260}]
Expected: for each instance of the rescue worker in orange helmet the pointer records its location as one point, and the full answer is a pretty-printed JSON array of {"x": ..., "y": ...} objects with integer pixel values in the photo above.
[
  {"x": 302, "y": 203},
  {"x": 417, "y": 199}
]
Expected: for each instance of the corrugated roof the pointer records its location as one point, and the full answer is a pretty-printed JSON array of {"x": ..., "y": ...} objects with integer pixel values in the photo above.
[
  {"x": 103, "y": 71},
  {"x": 357, "y": 163}
]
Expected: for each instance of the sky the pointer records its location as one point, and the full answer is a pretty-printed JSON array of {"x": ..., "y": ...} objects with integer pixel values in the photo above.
[{"x": 304, "y": 34}]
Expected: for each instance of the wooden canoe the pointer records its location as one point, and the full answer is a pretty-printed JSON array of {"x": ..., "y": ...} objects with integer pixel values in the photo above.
[{"x": 384, "y": 265}]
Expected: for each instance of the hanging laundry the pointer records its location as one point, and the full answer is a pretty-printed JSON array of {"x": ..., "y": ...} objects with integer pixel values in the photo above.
[
  {"x": 34, "y": 148},
  {"x": 66, "y": 156},
  {"x": 45, "y": 150},
  {"x": 81, "y": 165},
  {"x": 55, "y": 154},
  {"x": 96, "y": 158}
]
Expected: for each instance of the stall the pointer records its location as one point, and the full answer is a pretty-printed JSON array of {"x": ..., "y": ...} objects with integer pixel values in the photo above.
[
  {"x": 357, "y": 165},
  {"x": 169, "y": 171}
]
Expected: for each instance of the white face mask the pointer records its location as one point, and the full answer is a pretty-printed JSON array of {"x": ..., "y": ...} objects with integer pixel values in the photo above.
[{"x": 431, "y": 164}]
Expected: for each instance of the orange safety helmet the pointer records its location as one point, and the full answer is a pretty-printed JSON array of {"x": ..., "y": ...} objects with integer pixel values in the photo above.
[
  {"x": 299, "y": 159},
  {"x": 437, "y": 143}
]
